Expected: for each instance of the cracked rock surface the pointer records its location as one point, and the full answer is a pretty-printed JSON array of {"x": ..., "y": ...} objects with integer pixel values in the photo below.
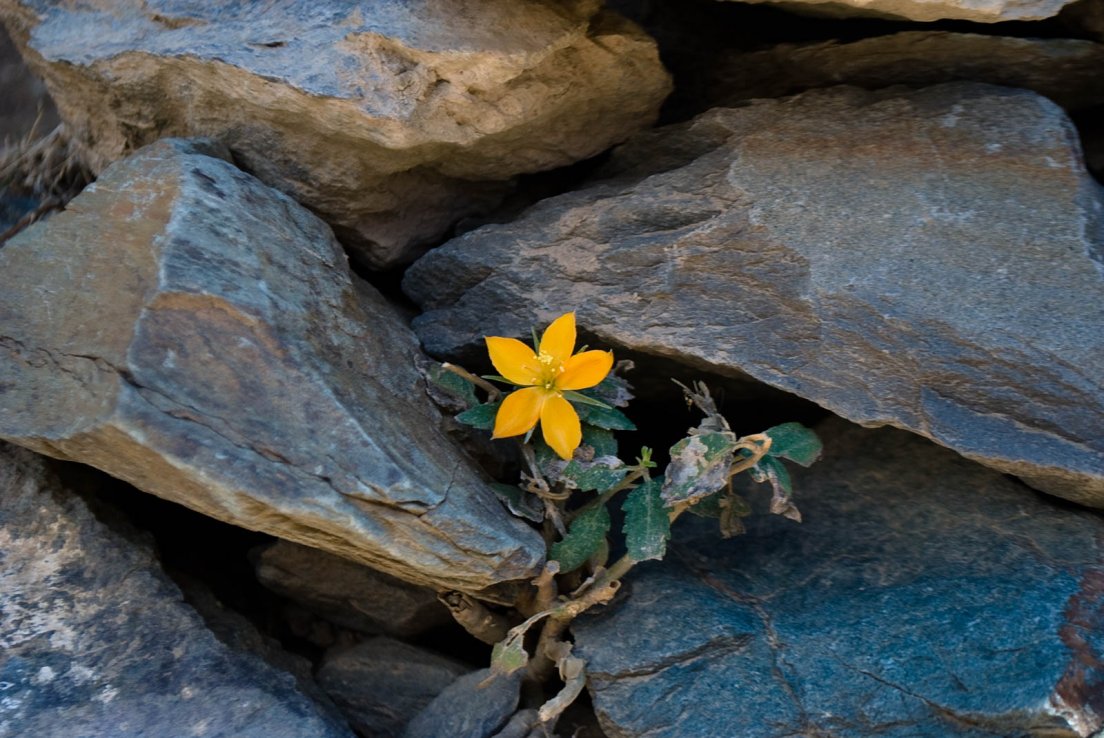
[
  {"x": 185, "y": 328},
  {"x": 392, "y": 120},
  {"x": 96, "y": 641},
  {"x": 931, "y": 260},
  {"x": 923, "y": 597}
]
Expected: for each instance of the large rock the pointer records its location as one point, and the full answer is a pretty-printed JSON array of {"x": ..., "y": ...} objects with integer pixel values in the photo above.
[
  {"x": 392, "y": 120},
  {"x": 930, "y": 260},
  {"x": 27, "y": 107},
  {"x": 348, "y": 594},
  {"x": 96, "y": 641},
  {"x": 979, "y": 11},
  {"x": 1065, "y": 70},
  {"x": 185, "y": 328},
  {"x": 923, "y": 597}
]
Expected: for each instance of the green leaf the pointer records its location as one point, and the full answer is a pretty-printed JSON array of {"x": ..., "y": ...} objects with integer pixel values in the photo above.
[
  {"x": 774, "y": 471},
  {"x": 707, "y": 507},
  {"x": 699, "y": 466},
  {"x": 609, "y": 418},
  {"x": 521, "y": 503},
  {"x": 795, "y": 442},
  {"x": 579, "y": 397},
  {"x": 583, "y": 539},
  {"x": 453, "y": 384},
  {"x": 508, "y": 656},
  {"x": 601, "y": 440},
  {"x": 597, "y": 475},
  {"x": 647, "y": 527},
  {"x": 480, "y": 416}
]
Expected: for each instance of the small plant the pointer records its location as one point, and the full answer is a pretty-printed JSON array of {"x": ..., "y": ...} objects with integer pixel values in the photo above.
[{"x": 573, "y": 472}]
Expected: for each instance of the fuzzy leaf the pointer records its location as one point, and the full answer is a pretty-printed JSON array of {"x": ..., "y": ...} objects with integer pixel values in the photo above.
[
  {"x": 602, "y": 417},
  {"x": 795, "y": 442},
  {"x": 583, "y": 539},
  {"x": 508, "y": 656},
  {"x": 613, "y": 390},
  {"x": 521, "y": 503},
  {"x": 647, "y": 527},
  {"x": 699, "y": 466},
  {"x": 480, "y": 416},
  {"x": 601, "y": 440},
  {"x": 597, "y": 475},
  {"x": 450, "y": 390}
]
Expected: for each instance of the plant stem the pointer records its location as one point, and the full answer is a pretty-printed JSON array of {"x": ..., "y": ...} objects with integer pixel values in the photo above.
[{"x": 492, "y": 391}]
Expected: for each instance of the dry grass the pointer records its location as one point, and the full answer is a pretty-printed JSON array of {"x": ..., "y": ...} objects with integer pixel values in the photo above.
[{"x": 48, "y": 169}]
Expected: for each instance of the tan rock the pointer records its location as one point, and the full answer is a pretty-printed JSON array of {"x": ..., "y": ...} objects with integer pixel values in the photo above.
[
  {"x": 392, "y": 124},
  {"x": 979, "y": 11},
  {"x": 198, "y": 334}
]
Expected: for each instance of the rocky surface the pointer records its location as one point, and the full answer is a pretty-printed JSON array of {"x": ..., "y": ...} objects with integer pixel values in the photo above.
[
  {"x": 417, "y": 110},
  {"x": 95, "y": 640},
  {"x": 477, "y": 705},
  {"x": 382, "y": 684},
  {"x": 923, "y": 596},
  {"x": 189, "y": 330},
  {"x": 1065, "y": 70},
  {"x": 27, "y": 106},
  {"x": 979, "y": 11},
  {"x": 930, "y": 260},
  {"x": 348, "y": 594}
]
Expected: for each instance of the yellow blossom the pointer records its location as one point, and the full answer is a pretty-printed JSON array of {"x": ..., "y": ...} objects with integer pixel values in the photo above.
[{"x": 544, "y": 376}]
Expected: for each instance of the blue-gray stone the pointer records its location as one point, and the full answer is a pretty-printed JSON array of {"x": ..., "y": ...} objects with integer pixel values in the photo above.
[{"x": 923, "y": 597}]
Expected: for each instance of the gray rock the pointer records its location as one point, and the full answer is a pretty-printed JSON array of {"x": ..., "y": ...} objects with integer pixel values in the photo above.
[
  {"x": 476, "y": 705},
  {"x": 931, "y": 260},
  {"x": 95, "y": 640},
  {"x": 1065, "y": 70},
  {"x": 382, "y": 684},
  {"x": 348, "y": 594},
  {"x": 27, "y": 106},
  {"x": 393, "y": 122},
  {"x": 923, "y": 596},
  {"x": 185, "y": 328},
  {"x": 979, "y": 11}
]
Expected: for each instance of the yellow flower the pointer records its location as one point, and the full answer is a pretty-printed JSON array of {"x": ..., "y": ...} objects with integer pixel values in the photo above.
[{"x": 545, "y": 376}]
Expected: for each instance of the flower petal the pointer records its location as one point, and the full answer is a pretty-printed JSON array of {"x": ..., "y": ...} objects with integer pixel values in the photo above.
[
  {"x": 514, "y": 360},
  {"x": 585, "y": 370},
  {"x": 560, "y": 426},
  {"x": 558, "y": 340},
  {"x": 519, "y": 412}
]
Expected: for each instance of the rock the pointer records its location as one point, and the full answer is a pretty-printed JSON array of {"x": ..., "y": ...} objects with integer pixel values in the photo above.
[
  {"x": 381, "y": 684},
  {"x": 1084, "y": 17},
  {"x": 476, "y": 705},
  {"x": 95, "y": 640},
  {"x": 923, "y": 596},
  {"x": 348, "y": 594},
  {"x": 979, "y": 11},
  {"x": 1065, "y": 70},
  {"x": 930, "y": 260},
  {"x": 187, "y": 329},
  {"x": 418, "y": 111},
  {"x": 27, "y": 106}
]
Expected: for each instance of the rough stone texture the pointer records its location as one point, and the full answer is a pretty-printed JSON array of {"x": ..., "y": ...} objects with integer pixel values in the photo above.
[
  {"x": 185, "y": 328},
  {"x": 476, "y": 705},
  {"x": 1085, "y": 17},
  {"x": 414, "y": 106},
  {"x": 26, "y": 101},
  {"x": 1065, "y": 70},
  {"x": 95, "y": 640},
  {"x": 929, "y": 260},
  {"x": 979, "y": 11},
  {"x": 923, "y": 597},
  {"x": 382, "y": 684},
  {"x": 347, "y": 593}
]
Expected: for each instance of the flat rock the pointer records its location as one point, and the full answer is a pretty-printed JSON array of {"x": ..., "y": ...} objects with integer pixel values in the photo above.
[
  {"x": 1065, "y": 70},
  {"x": 185, "y": 328},
  {"x": 477, "y": 705},
  {"x": 96, "y": 641},
  {"x": 392, "y": 123},
  {"x": 930, "y": 260},
  {"x": 347, "y": 593},
  {"x": 923, "y": 597},
  {"x": 979, "y": 11},
  {"x": 382, "y": 684}
]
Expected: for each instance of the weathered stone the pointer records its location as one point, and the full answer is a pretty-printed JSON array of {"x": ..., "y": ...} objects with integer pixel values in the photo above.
[
  {"x": 348, "y": 594},
  {"x": 95, "y": 640},
  {"x": 392, "y": 122},
  {"x": 923, "y": 596},
  {"x": 185, "y": 328},
  {"x": 1065, "y": 70},
  {"x": 382, "y": 684},
  {"x": 27, "y": 106},
  {"x": 979, "y": 11},
  {"x": 474, "y": 706},
  {"x": 1085, "y": 17},
  {"x": 930, "y": 260}
]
